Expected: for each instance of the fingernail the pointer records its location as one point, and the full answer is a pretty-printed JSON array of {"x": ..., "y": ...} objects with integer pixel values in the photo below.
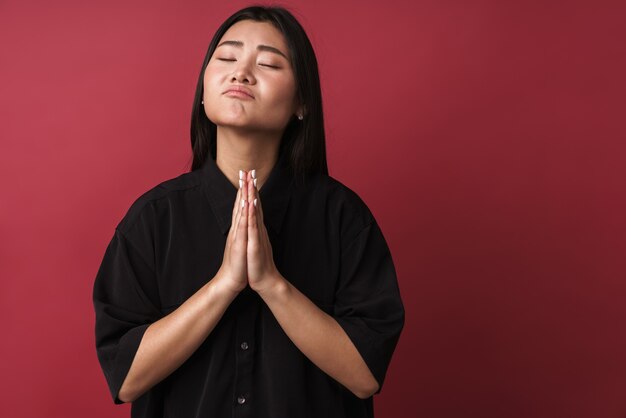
[
  {"x": 240, "y": 184},
  {"x": 253, "y": 174},
  {"x": 240, "y": 174},
  {"x": 254, "y": 203},
  {"x": 254, "y": 181},
  {"x": 243, "y": 202}
]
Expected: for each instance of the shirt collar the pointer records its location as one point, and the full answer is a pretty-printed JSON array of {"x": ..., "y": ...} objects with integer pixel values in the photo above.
[{"x": 274, "y": 194}]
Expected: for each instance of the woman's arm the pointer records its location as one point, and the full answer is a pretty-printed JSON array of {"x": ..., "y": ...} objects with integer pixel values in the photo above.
[
  {"x": 168, "y": 342},
  {"x": 313, "y": 331},
  {"x": 319, "y": 337},
  {"x": 171, "y": 340}
]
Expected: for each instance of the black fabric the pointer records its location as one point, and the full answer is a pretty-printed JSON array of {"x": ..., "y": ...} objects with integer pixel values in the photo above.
[{"x": 171, "y": 241}]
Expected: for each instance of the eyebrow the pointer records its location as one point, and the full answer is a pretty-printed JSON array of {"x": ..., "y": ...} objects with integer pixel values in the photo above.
[{"x": 239, "y": 44}]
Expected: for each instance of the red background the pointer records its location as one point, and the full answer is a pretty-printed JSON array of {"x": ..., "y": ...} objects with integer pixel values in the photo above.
[{"x": 487, "y": 137}]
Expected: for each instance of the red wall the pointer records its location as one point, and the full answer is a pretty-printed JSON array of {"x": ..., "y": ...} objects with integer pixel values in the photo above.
[{"x": 487, "y": 137}]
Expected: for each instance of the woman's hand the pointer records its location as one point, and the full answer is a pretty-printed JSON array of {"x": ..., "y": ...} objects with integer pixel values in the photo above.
[
  {"x": 262, "y": 272},
  {"x": 233, "y": 273}
]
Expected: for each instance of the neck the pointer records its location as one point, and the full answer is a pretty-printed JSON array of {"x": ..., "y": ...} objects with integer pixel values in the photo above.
[{"x": 245, "y": 150}]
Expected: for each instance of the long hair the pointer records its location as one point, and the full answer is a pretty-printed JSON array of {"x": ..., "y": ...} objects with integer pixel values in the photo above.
[{"x": 303, "y": 141}]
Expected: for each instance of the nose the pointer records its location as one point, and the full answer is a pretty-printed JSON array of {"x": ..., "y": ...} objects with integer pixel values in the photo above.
[{"x": 243, "y": 73}]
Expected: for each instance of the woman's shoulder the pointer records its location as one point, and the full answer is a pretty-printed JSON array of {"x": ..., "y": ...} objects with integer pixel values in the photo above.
[
  {"x": 340, "y": 192},
  {"x": 162, "y": 193},
  {"x": 342, "y": 201}
]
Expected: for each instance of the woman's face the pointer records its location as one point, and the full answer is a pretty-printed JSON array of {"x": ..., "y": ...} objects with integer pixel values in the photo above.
[{"x": 252, "y": 57}]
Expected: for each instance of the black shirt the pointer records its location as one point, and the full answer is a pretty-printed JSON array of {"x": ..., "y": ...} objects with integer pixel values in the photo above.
[{"x": 325, "y": 241}]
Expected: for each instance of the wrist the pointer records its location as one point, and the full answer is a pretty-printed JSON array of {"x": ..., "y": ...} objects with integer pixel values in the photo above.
[
  {"x": 274, "y": 286},
  {"x": 223, "y": 287}
]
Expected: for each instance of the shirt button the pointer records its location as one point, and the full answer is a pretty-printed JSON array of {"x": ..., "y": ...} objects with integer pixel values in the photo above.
[
  {"x": 244, "y": 345},
  {"x": 241, "y": 400}
]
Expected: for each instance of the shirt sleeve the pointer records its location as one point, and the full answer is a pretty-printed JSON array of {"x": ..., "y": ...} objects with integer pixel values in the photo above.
[
  {"x": 123, "y": 297},
  {"x": 367, "y": 300}
]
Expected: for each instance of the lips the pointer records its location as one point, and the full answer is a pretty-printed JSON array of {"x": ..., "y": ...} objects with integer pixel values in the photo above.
[{"x": 238, "y": 91}]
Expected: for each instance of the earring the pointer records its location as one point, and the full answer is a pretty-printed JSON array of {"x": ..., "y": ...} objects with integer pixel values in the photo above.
[
  {"x": 300, "y": 117},
  {"x": 203, "y": 102}
]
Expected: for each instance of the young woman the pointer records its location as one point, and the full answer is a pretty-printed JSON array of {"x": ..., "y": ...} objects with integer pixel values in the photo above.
[{"x": 255, "y": 284}]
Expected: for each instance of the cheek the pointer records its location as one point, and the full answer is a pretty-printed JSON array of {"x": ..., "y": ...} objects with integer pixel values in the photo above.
[
  {"x": 283, "y": 94},
  {"x": 211, "y": 100},
  {"x": 212, "y": 77},
  {"x": 208, "y": 80}
]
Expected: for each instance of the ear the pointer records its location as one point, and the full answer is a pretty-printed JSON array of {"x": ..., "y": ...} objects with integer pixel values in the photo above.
[{"x": 301, "y": 110}]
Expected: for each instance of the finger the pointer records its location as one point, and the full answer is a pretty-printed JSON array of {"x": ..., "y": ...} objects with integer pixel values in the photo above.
[
  {"x": 264, "y": 238},
  {"x": 250, "y": 189},
  {"x": 253, "y": 236},
  {"x": 242, "y": 178},
  {"x": 259, "y": 206},
  {"x": 261, "y": 232},
  {"x": 241, "y": 233},
  {"x": 255, "y": 195},
  {"x": 241, "y": 197},
  {"x": 254, "y": 177}
]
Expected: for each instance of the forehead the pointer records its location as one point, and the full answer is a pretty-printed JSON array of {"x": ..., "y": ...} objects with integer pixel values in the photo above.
[{"x": 253, "y": 33}]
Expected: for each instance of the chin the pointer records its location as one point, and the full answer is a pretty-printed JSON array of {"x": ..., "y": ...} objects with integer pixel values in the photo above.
[
  {"x": 245, "y": 123},
  {"x": 235, "y": 122}
]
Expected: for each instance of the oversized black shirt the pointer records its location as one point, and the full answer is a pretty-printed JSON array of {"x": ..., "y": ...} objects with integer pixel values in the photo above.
[{"x": 171, "y": 241}]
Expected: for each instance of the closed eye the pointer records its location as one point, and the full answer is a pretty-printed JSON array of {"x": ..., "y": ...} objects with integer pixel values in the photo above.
[{"x": 232, "y": 59}]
